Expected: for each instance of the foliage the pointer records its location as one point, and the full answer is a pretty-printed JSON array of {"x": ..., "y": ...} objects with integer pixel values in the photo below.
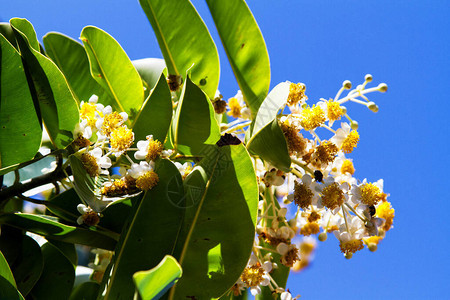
[{"x": 219, "y": 197}]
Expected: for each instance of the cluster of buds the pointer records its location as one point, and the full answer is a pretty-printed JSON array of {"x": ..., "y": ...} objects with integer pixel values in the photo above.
[
  {"x": 319, "y": 195},
  {"x": 101, "y": 138}
]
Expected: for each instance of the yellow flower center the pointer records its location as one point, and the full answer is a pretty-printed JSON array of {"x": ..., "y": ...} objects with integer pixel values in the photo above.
[
  {"x": 81, "y": 141},
  {"x": 312, "y": 117},
  {"x": 290, "y": 257},
  {"x": 350, "y": 142},
  {"x": 91, "y": 218},
  {"x": 332, "y": 196},
  {"x": 370, "y": 194},
  {"x": 111, "y": 121},
  {"x": 87, "y": 112},
  {"x": 385, "y": 211},
  {"x": 351, "y": 246},
  {"x": 116, "y": 188},
  {"x": 310, "y": 228},
  {"x": 90, "y": 164},
  {"x": 372, "y": 240},
  {"x": 296, "y": 93},
  {"x": 235, "y": 108},
  {"x": 347, "y": 167},
  {"x": 253, "y": 276},
  {"x": 306, "y": 248},
  {"x": 334, "y": 110},
  {"x": 296, "y": 143},
  {"x": 324, "y": 154},
  {"x": 147, "y": 181},
  {"x": 313, "y": 217},
  {"x": 155, "y": 149},
  {"x": 121, "y": 138},
  {"x": 302, "y": 195}
]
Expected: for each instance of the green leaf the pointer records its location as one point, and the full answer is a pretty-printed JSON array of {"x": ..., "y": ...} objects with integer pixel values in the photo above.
[
  {"x": 267, "y": 139},
  {"x": 67, "y": 249},
  {"x": 195, "y": 125},
  {"x": 27, "y": 268},
  {"x": 85, "y": 291},
  {"x": 72, "y": 60},
  {"x": 152, "y": 230},
  {"x": 20, "y": 129},
  {"x": 153, "y": 284},
  {"x": 58, "y": 107},
  {"x": 5, "y": 271},
  {"x": 8, "y": 291},
  {"x": 49, "y": 227},
  {"x": 245, "y": 49},
  {"x": 57, "y": 277},
  {"x": 150, "y": 70},
  {"x": 185, "y": 41},
  {"x": 8, "y": 33},
  {"x": 219, "y": 226},
  {"x": 156, "y": 114},
  {"x": 113, "y": 70}
]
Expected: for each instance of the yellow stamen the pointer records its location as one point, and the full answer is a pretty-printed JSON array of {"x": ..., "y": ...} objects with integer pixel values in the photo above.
[
  {"x": 312, "y": 117},
  {"x": 121, "y": 138},
  {"x": 147, "y": 181},
  {"x": 370, "y": 194},
  {"x": 385, "y": 211},
  {"x": 253, "y": 276},
  {"x": 110, "y": 122},
  {"x": 235, "y": 108},
  {"x": 351, "y": 246},
  {"x": 350, "y": 142},
  {"x": 334, "y": 110},
  {"x": 155, "y": 149},
  {"x": 325, "y": 153},
  {"x": 310, "y": 228},
  {"x": 290, "y": 257},
  {"x": 302, "y": 195},
  {"x": 87, "y": 112},
  {"x": 347, "y": 167},
  {"x": 332, "y": 196},
  {"x": 90, "y": 164},
  {"x": 91, "y": 218},
  {"x": 295, "y": 141},
  {"x": 313, "y": 217},
  {"x": 296, "y": 93}
]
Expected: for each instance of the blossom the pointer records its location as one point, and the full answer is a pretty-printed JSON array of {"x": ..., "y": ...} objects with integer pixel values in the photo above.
[
  {"x": 345, "y": 138},
  {"x": 289, "y": 254},
  {"x": 95, "y": 162},
  {"x": 145, "y": 177},
  {"x": 238, "y": 108},
  {"x": 88, "y": 216},
  {"x": 149, "y": 149},
  {"x": 256, "y": 274}
]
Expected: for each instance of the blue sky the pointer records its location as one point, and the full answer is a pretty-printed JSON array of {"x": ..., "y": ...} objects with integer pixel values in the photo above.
[{"x": 321, "y": 43}]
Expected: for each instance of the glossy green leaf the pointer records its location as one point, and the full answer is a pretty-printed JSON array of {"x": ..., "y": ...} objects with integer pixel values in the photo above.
[
  {"x": 49, "y": 227},
  {"x": 67, "y": 249},
  {"x": 152, "y": 230},
  {"x": 245, "y": 48},
  {"x": 20, "y": 129},
  {"x": 156, "y": 114},
  {"x": 72, "y": 60},
  {"x": 219, "y": 226},
  {"x": 153, "y": 284},
  {"x": 150, "y": 70},
  {"x": 267, "y": 139},
  {"x": 57, "y": 277},
  {"x": 195, "y": 126},
  {"x": 27, "y": 268},
  {"x": 58, "y": 107},
  {"x": 8, "y": 33},
  {"x": 8, "y": 291},
  {"x": 113, "y": 70},
  {"x": 85, "y": 291},
  {"x": 5, "y": 271},
  {"x": 185, "y": 41}
]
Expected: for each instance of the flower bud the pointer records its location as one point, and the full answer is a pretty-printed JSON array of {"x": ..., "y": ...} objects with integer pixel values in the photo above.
[
  {"x": 348, "y": 255},
  {"x": 382, "y": 87},
  {"x": 372, "y": 106},
  {"x": 372, "y": 247},
  {"x": 368, "y": 77},
  {"x": 354, "y": 125},
  {"x": 347, "y": 84},
  {"x": 323, "y": 237},
  {"x": 344, "y": 109}
]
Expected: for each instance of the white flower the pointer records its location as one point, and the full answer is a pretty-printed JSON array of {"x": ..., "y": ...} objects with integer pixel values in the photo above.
[
  {"x": 140, "y": 169},
  {"x": 88, "y": 216},
  {"x": 103, "y": 161},
  {"x": 341, "y": 134}
]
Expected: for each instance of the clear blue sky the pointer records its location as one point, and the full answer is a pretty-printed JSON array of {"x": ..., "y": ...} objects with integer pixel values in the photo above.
[{"x": 321, "y": 43}]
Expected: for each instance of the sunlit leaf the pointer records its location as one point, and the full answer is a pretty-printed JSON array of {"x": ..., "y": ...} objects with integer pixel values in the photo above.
[
  {"x": 113, "y": 70},
  {"x": 153, "y": 284},
  {"x": 245, "y": 48},
  {"x": 150, "y": 70},
  {"x": 152, "y": 230},
  {"x": 195, "y": 126},
  {"x": 58, "y": 107},
  {"x": 219, "y": 225},
  {"x": 185, "y": 41}
]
